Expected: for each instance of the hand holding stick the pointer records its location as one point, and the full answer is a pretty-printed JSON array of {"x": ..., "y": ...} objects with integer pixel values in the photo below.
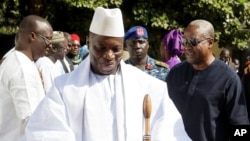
[{"x": 147, "y": 112}]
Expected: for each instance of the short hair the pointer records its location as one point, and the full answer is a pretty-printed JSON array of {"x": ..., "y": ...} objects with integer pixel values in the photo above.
[
  {"x": 224, "y": 51},
  {"x": 31, "y": 23},
  {"x": 205, "y": 27},
  {"x": 67, "y": 36}
]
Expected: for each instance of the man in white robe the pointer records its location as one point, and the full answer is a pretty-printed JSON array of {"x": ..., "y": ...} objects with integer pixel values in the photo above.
[
  {"x": 21, "y": 88},
  {"x": 102, "y": 100},
  {"x": 49, "y": 71},
  {"x": 47, "y": 65}
]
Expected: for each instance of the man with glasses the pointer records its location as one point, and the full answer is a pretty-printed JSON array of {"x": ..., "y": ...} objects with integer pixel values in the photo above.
[
  {"x": 21, "y": 88},
  {"x": 47, "y": 65},
  {"x": 46, "y": 40},
  {"x": 208, "y": 94}
]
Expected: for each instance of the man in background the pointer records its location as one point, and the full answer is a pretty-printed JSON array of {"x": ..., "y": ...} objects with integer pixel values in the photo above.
[
  {"x": 136, "y": 42},
  {"x": 66, "y": 63},
  {"x": 47, "y": 65},
  {"x": 73, "y": 54},
  {"x": 225, "y": 56}
]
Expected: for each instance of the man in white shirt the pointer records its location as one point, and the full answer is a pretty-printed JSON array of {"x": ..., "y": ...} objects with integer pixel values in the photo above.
[
  {"x": 47, "y": 65},
  {"x": 20, "y": 85},
  {"x": 102, "y": 99},
  {"x": 66, "y": 63}
]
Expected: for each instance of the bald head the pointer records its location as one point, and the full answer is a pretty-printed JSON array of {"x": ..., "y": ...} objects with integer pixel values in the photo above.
[
  {"x": 33, "y": 23},
  {"x": 34, "y": 36},
  {"x": 206, "y": 29},
  {"x": 225, "y": 51}
]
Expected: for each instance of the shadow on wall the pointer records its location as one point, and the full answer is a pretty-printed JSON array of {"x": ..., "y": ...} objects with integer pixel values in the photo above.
[{"x": 7, "y": 42}]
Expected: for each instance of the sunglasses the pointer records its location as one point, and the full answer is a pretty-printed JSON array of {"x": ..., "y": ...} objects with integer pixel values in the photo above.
[{"x": 192, "y": 41}]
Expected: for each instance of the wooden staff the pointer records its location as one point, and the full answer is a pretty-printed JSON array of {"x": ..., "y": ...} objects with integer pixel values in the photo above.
[{"x": 147, "y": 112}]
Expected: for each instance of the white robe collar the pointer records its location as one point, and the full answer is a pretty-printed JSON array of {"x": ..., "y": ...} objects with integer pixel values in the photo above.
[{"x": 88, "y": 87}]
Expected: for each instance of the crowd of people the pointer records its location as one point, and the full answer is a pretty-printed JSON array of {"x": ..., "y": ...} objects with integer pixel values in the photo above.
[{"x": 54, "y": 89}]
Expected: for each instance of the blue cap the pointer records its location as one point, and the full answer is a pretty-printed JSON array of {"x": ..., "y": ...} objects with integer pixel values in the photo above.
[{"x": 136, "y": 32}]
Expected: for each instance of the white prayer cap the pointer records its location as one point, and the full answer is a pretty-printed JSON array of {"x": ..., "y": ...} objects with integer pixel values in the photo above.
[
  {"x": 107, "y": 22},
  {"x": 58, "y": 36}
]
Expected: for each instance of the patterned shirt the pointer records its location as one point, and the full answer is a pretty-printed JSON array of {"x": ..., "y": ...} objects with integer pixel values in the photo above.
[{"x": 155, "y": 68}]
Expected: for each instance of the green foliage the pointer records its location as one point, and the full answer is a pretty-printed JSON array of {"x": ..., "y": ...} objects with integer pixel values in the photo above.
[
  {"x": 9, "y": 16},
  {"x": 227, "y": 17},
  {"x": 231, "y": 18},
  {"x": 92, "y": 4}
]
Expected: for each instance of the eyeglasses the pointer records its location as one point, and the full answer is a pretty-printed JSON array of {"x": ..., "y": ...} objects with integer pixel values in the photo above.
[
  {"x": 47, "y": 40},
  {"x": 192, "y": 41}
]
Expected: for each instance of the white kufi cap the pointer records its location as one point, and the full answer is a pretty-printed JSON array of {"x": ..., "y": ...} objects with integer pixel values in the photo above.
[
  {"x": 58, "y": 36},
  {"x": 107, "y": 22}
]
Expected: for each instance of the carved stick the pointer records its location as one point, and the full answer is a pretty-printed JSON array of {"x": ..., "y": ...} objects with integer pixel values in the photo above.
[{"x": 147, "y": 112}]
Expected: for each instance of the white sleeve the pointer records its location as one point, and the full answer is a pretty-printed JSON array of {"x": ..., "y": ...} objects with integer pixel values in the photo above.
[
  {"x": 49, "y": 121},
  {"x": 47, "y": 76},
  {"x": 168, "y": 124}
]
